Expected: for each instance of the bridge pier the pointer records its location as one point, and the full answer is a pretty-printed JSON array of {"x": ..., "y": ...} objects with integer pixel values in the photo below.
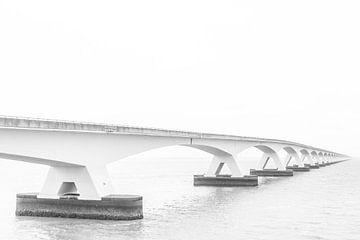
[
  {"x": 214, "y": 178},
  {"x": 312, "y": 166},
  {"x": 261, "y": 170},
  {"x": 79, "y": 192},
  {"x": 297, "y": 168},
  {"x": 91, "y": 182}
]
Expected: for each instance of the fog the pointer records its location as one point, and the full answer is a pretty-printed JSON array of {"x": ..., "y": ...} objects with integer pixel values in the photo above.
[{"x": 276, "y": 69}]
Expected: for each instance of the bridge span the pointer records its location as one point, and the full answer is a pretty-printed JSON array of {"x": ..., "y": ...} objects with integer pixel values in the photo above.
[{"x": 78, "y": 152}]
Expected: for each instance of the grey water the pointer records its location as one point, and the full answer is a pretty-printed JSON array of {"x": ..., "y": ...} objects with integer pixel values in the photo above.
[{"x": 321, "y": 204}]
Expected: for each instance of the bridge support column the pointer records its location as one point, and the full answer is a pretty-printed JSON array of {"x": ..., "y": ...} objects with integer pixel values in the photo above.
[
  {"x": 218, "y": 162},
  {"x": 214, "y": 178},
  {"x": 327, "y": 161},
  {"x": 311, "y": 164},
  {"x": 295, "y": 156},
  {"x": 279, "y": 171},
  {"x": 321, "y": 161},
  {"x": 315, "y": 159},
  {"x": 265, "y": 160},
  {"x": 79, "y": 192},
  {"x": 91, "y": 182},
  {"x": 299, "y": 167}
]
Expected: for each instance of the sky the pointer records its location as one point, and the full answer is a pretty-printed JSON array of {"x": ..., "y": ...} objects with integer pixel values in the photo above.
[{"x": 276, "y": 69}]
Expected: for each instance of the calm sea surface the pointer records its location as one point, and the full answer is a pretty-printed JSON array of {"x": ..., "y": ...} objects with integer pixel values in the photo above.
[{"x": 321, "y": 204}]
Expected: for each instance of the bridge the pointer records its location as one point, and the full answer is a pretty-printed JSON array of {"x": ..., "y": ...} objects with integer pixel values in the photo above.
[{"x": 78, "y": 152}]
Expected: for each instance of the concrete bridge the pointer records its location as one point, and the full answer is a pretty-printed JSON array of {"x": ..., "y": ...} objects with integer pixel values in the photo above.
[{"x": 78, "y": 152}]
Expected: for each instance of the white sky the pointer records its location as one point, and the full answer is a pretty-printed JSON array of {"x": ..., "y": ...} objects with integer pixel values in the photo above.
[{"x": 277, "y": 69}]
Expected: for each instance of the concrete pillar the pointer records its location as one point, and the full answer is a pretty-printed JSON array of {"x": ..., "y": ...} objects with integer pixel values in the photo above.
[
  {"x": 91, "y": 182},
  {"x": 315, "y": 159},
  {"x": 291, "y": 154},
  {"x": 214, "y": 178},
  {"x": 287, "y": 159},
  {"x": 265, "y": 159},
  {"x": 307, "y": 156},
  {"x": 218, "y": 162},
  {"x": 59, "y": 196}
]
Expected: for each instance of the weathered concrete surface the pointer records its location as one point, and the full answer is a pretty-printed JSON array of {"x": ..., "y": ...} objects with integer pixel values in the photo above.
[
  {"x": 111, "y": 207},
  {"x": 296, "y": 168},
  {"x": 225, "y": 181},
  {"x": 272, "y": 173}
]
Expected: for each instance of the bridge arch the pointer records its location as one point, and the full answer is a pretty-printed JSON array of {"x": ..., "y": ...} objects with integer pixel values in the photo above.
[
  {"x": 304, "y": 151},
  {"x": 326, "y": 157},
  {"x": 208, "y": 149},
  {"x": 269, "y": 152},
  {"x": 315, "y": 156},
  {"x": 306, "y": 156},
  {"x": 93, "y": 181},
  {"x": 291, "y": 154},
  {"x": 221, "y": 157}
]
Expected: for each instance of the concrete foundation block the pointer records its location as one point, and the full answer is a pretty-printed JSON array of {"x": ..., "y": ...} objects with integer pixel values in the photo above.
[
  {"x": 111, "y": 207},
  {"x": 296, "y": 168},
  {"x": 271, "y": 172},
  {"x": 225, "y": 181},
  {"x": 315, "y": 166}
]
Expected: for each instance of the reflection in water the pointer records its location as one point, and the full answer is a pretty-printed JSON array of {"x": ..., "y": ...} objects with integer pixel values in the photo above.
[{"x": 321, "y": 204}]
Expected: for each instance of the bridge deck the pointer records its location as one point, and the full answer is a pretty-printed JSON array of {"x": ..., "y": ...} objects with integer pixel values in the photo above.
[{"x": 61, "y": 125}]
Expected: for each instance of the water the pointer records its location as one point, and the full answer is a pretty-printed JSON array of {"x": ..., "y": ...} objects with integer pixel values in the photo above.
[{"x": 321, "y": 204}]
